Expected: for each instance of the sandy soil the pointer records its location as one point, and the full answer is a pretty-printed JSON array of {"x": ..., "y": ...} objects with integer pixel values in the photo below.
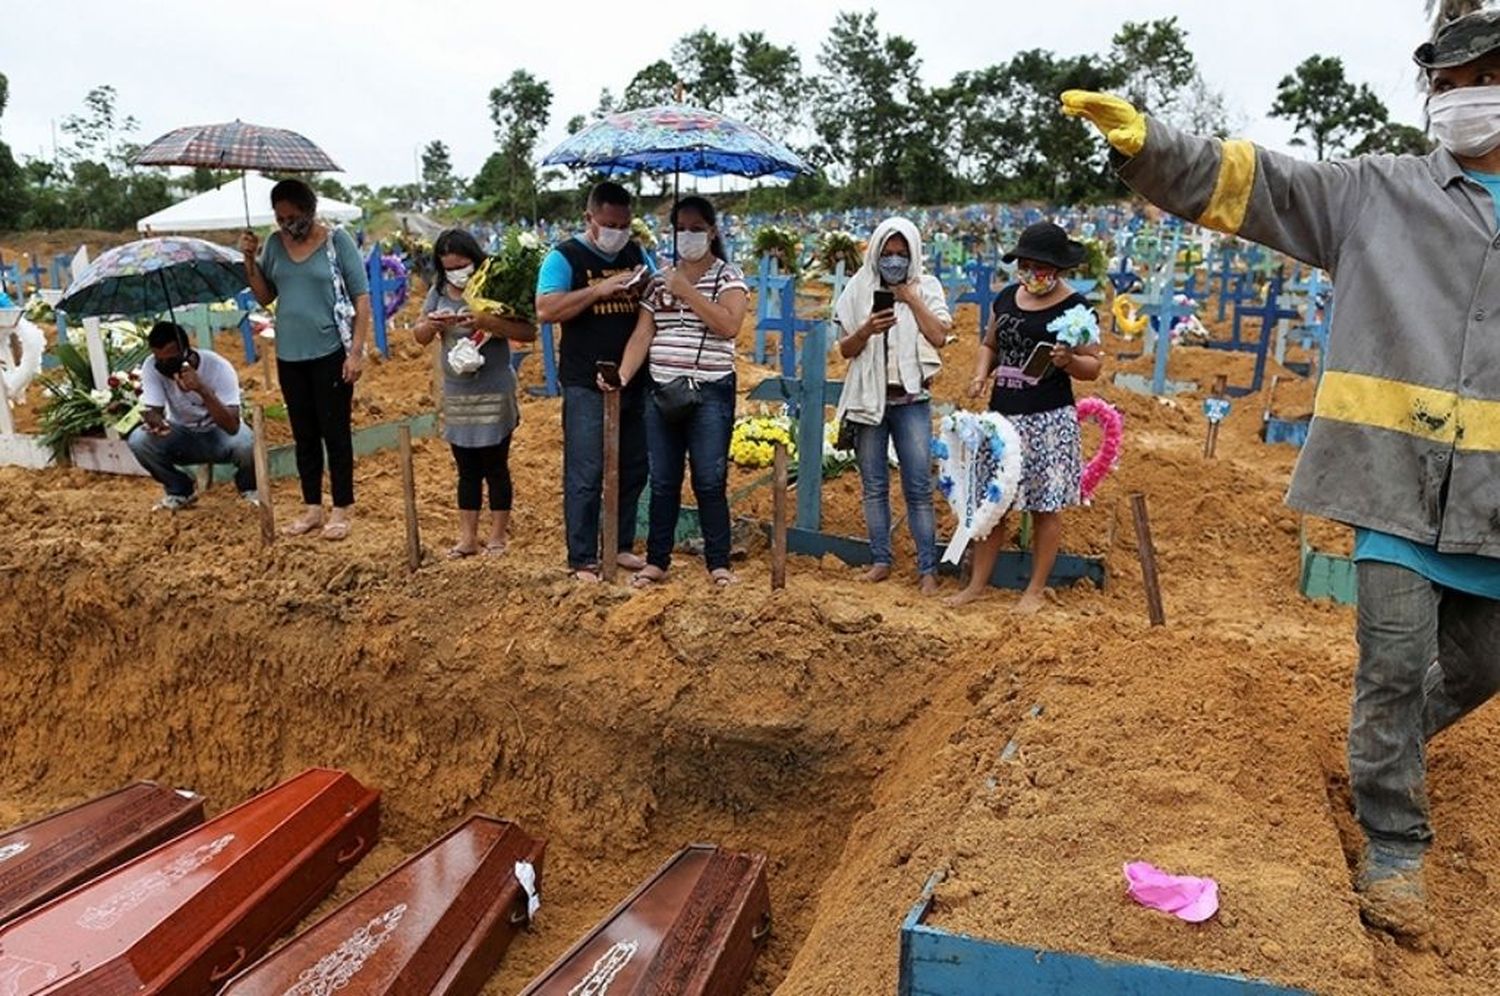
[{"x": 854, "y": 733}]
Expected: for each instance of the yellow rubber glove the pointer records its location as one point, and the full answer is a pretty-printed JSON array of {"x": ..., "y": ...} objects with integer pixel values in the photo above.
[{"x": 1123, "y": 126}]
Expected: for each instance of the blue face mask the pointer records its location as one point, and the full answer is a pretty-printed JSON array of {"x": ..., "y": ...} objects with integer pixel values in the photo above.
[{"x": 893, "y": 269}]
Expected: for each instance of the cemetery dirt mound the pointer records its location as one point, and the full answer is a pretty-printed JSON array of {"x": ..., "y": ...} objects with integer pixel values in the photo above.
[{"x": 856, "y": 734}]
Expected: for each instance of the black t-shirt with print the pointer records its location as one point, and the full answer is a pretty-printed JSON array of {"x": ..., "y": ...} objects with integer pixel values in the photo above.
[
  {"x": 1013, "y": 334},
  {"x": 603, "y": 329}
]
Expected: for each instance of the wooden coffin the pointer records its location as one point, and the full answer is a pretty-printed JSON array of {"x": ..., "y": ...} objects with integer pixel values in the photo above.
[
  {"x": 692, "y": 929},
  {"x": 68, "y": 848},
  {"x": 438, "y": 924},
  {"x": 184, "y": 917}
]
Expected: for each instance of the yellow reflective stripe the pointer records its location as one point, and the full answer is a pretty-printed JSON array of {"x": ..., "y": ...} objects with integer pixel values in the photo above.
[
  {"x": 1479, "y": 425},
  {"x": 1427, "y": 412},
  {"x": 1231, "y": 197}
]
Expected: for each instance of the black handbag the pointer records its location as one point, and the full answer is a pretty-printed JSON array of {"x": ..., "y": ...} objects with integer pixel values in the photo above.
[{"x": 679, "y": 397}]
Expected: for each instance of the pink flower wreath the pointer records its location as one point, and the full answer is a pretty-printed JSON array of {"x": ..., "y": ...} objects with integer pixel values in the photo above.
[{"x": 1109, "y": 419}]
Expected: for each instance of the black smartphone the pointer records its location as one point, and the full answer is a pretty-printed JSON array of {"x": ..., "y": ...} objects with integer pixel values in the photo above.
[
  {"x": 1039, "y": 362},
  {"x": 610, "y": 372},
  {"x": 884, "y": 300}
]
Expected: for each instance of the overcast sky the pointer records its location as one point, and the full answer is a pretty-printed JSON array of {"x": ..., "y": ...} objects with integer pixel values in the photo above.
[{"x": 373, "y": 81}]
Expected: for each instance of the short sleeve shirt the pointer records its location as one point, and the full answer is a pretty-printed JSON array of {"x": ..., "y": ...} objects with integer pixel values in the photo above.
[
  {"x": 186, "y": 408},
  {"x": 684, "y": 345},
  {"x": 305, "y": 325}
]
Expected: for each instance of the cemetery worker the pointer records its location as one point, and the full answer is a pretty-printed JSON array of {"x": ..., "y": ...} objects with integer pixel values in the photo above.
[
  {"x": 190, "y": 415},
  {"x": 683, "y": 345},
  {"x": 886, "y": 400},
  {"x": 590, "y": 285},
  {"x": 1405, "y": 438},
  {"x": 317, "y": 279},
  {"x": 1039, "y": 403},
  {"x": 480, "y": 409}
]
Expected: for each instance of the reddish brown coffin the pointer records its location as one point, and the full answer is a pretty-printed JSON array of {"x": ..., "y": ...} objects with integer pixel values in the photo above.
[
  {"x": 47, "y": 858},
  {"x": 184, "y": 917},
  {"x": 438, "y": 924},
  {"x": 692, "y": 929}
]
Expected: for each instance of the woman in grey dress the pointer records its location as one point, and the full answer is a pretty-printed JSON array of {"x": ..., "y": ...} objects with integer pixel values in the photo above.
[{"x": 479, "y": 403}]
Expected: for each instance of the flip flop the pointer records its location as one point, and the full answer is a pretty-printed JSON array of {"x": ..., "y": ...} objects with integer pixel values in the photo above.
[
  {"x": 301, "y": 527},
  {"x": 493, "y": 549},
  {"x": 724, "y": 577},
  {"x": 630, "y": 561},
  {"x": 640, "y": 579},
  {"x": 335, "y": 531},
  {"x": 459, "y": 553},
  {"x": 587, "y": 575}
]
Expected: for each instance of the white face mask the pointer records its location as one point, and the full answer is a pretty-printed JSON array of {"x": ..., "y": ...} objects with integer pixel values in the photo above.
[
  {"x": 692, "y": 246},
  {"x": 1466, "y": 119},
  {"x": 459, "y": 277},
  {"x": 611, "y": 240}
]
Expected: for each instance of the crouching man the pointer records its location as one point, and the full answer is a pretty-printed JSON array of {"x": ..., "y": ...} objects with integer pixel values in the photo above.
[{"x": 191, "y": 416}]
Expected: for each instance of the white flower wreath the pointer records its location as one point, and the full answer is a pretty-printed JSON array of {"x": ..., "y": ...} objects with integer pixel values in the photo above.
[{"x": 979, "y": 472}]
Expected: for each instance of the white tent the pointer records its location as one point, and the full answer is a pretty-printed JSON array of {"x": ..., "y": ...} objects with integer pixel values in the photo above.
[{"x": 224, "y": 208}]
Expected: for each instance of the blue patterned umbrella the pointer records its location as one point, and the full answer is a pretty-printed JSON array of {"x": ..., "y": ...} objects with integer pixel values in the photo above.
[
  {"x": 677, "y": 139},
  {"x": 149, "y": 276}
]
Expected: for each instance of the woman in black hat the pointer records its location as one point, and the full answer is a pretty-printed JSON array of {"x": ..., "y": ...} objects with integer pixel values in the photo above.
[{"x": 1033, "y": 378}]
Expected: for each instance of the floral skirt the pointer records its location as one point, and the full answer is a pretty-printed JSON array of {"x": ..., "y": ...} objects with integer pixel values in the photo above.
[{"x": 1051, "y": 460}]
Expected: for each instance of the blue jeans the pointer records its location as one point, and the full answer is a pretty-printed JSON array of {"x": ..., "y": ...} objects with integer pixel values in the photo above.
[
  {"x": 184, "y": 447},
  {"x": 910, "y": 426},
  {"x": 583, "y": 470},
  {"x": 1428, "y": 655},
  {"x": 702, "y": 439}
]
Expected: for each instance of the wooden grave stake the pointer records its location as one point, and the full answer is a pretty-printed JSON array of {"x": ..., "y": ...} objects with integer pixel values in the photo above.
[
  {"x": 610, "y": 513},
  {"x": 1147, "y": 553},
  {"x": 778, "y": 517},
  {"x": 263, "y": 476},
  {"x": 1216, "y": 415},
  {"x": 409, "y": 490}
]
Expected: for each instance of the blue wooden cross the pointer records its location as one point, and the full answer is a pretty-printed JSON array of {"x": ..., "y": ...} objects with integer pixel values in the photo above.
[
  {"x": 377, "y": 300},
  {"x": 807, "y": 398},
  {"x": 981, "y": 291},
  {"x": 1269, "y": 313},
  {"x": 1125, "y": 279},
  {"x": 246, "y": 301},
  {"x": 62, "y": 270}
]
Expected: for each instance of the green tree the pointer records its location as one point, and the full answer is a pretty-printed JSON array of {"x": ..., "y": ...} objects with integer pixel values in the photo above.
[
  {"x": 15, "y": 193},
  {"x": 93, "y": 184},
  {"x": 438, "y": 181},
  {"x": 864, "y": 103},
  {"x": 651, "y": 86},
  {"x": 1154, "y": 64},
  {"x": 771, "y": 83},
  {"x": 705, "y": 64},
  {"x": 520, "y": 111},
  {"x": 1326, "y": 109},
  {"x": 576, "y": 124},
  {"x": 1396, "y": 139}
]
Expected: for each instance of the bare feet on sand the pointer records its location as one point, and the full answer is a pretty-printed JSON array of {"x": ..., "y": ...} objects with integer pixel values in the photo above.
[
  {"x": 964, "y": 597},
  {"x": 1033, "y": 602},
  {"x": 928, "y": 585},
  {"x": 877, "y": 573}
]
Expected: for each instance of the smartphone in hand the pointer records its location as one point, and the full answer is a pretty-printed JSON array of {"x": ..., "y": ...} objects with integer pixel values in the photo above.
[
  {"x": 1039, "y": 362},
  {"x": 639, "y": 280},
  {"x": 609, "y": 372},
  {"x": 884, "y": 300}
]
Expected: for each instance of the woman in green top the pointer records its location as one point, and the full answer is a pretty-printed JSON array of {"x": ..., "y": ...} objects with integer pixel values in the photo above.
[{"x": 316, "y": 277}]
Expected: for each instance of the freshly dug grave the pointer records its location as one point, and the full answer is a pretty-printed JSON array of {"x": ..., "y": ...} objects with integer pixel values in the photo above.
[{"x": 854, "y": 733}]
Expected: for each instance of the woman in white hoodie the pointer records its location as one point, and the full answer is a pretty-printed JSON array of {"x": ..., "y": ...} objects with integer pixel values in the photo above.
[{"x": 892, "y": 354}]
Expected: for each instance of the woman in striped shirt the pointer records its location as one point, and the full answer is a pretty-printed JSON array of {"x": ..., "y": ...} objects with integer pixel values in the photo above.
[{"x": 684, "y": 341}]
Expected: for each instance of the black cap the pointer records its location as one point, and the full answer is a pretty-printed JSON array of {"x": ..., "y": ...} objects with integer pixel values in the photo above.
[
  {"x": 1461, "y": 41},
  {"x": 1045, "y": 242}
]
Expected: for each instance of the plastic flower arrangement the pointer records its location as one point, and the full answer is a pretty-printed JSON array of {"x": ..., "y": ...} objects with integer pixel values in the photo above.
[
  {"x": 839, "y": 246},
  {"x": 1078, "y": 326},
  {"x": 505, "y": 283},
  {"x": 781, "y": 243},
  {"x": 752, "y": 444},
  {"x": 74, "y": 406},
  {"x": 641, "y": 233}
]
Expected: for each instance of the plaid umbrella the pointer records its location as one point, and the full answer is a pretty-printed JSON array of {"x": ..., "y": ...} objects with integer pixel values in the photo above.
[
  {"x": 236, "y": 145},
  {"x": 149, "y": 276},
  {"x": 677, "y": 139}
]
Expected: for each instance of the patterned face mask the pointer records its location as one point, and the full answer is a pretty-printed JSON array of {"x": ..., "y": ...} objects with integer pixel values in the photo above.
[
  {"x": 298, "y": 227},
  {"x": 1037, "y": 282}
]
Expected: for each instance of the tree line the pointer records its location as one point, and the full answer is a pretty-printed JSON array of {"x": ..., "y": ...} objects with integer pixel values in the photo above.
[{"x": 860, "y": 113}]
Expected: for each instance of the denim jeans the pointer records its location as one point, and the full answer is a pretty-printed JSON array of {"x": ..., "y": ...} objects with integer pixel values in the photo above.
[
  {"x": 910, "y": 426},
  {"x": 583, "y": 470},
  {"x": 184, "y": 447},
  {"x": 702, "y": 438},
  {"x": 1427, "y": 656}
]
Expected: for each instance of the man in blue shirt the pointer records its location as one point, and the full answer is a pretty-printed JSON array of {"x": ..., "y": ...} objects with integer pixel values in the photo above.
[{"x": 590, "y": 285}]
